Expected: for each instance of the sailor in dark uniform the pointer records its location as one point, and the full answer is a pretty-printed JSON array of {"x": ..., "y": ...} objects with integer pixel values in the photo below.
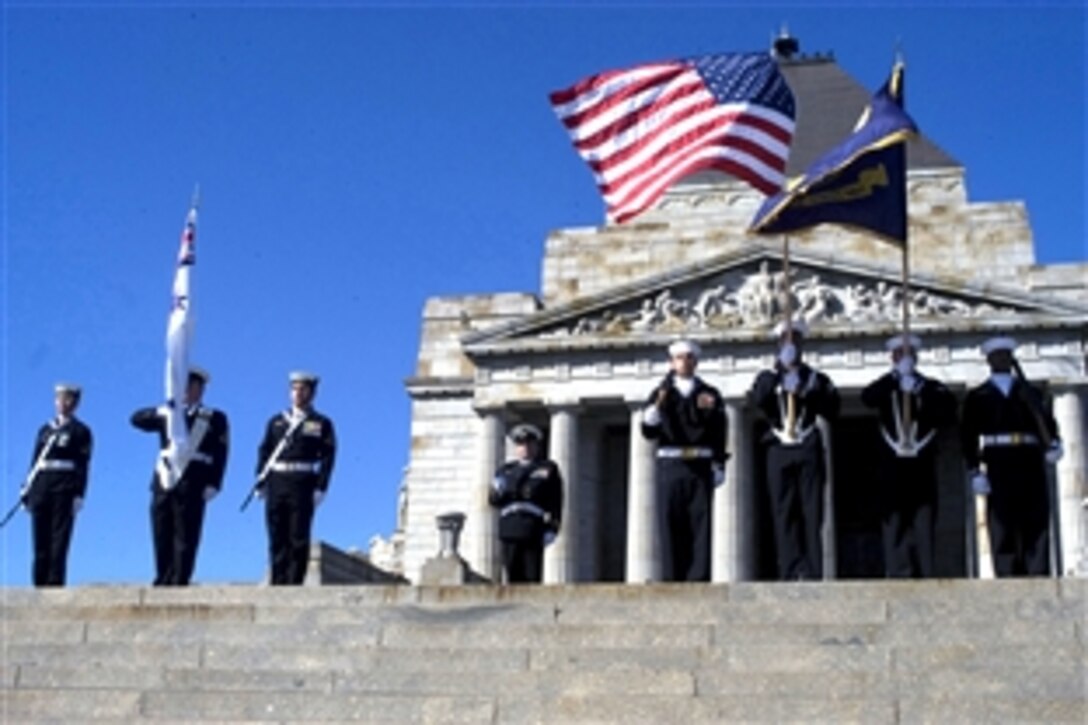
[
  {"x": 686, "y": 417},
  {"x": 1009, "y": 438},
  {"x": 528, "y": 491},
  {"x": 56, "y": 486},
  {"x": 910, "y": 409},
  {"x": 790, "y": 397},
  {"x": 294, "y": 464},
  {"x": 178, "y": 503}
]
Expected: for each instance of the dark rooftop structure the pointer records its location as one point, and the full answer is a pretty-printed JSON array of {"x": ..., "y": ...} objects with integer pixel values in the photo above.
[{"x": 829, "y": 102}]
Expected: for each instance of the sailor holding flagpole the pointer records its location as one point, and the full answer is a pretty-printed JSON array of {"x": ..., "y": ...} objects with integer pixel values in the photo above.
[
  {"x": 193, "y": 439},
  {"x": 907, "y": 462},
  {"x": 791, "y": 396}
]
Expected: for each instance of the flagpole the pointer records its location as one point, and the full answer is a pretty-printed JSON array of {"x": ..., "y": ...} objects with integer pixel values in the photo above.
[
  {"x": 905, "y": 284},
  {"x": 787, "y": 308}
]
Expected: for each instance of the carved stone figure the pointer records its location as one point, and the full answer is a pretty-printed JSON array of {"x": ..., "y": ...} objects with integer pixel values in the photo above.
[{"x": 754, "y": 300}]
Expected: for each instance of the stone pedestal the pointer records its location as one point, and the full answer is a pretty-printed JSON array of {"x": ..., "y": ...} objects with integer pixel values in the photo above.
[{"x": 447, "y": 568}]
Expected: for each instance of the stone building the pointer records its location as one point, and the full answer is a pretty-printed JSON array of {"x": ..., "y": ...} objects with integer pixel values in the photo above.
[{"x": 579, "y": 358}]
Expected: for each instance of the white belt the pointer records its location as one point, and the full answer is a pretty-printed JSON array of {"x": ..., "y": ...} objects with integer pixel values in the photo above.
[
  {"x": 524, "y": 507},
  {"x": 798, "y": 437},
  {"x": 58, "y": 465},
  {"x": 297, "y": 466},
  {"x": 1008, "y": 439},
  {"x": 684, "y": 453}
]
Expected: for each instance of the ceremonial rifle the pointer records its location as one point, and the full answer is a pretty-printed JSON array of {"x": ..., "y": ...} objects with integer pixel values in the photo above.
[
  {"x": 30, "y": 478},
  {"x": 276, "y": 453}
]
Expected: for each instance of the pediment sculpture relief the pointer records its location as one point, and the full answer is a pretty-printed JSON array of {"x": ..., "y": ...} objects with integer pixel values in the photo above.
[{"x": 755, "y": 300}]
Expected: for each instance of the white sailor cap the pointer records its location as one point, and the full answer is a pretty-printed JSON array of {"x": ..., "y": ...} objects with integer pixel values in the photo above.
[
  {"x": 894, "y": 343},
  {"x": 684, "y": 347},
  {"x": 200, "y": 373},
  {"x": 301, "y": 376},
  {"x": 525, "y": 432},
  {"x": 998, "y": 343},
  {"x": 69, "y": 388},
  {"x": 800, "y": 327}
]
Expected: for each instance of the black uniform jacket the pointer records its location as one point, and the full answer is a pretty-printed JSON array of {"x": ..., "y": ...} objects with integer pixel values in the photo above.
[
  {"x": 312, "y": 441},
  {"x": 932, "y": 404},
  {"x": 209, "y": 461},
  {"x": 986, "y": 411},
  {"x": 816, "y": 396},
  {"x": 695, "y": 420},
  {"x": 72, "y": 443},
  {"x": 529, "y": 497}
]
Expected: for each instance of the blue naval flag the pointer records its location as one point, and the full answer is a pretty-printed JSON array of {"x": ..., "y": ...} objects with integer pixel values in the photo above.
[{"x": 861, "y": 183}]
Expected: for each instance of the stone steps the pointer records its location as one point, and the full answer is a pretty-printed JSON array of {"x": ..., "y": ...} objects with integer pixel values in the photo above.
[{"x": 845, "y": 651}]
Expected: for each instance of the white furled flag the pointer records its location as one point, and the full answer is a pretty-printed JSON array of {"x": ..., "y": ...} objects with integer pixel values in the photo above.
[
  {"x": 179, "y": 333},
  {"x": 643, "y": 128}
]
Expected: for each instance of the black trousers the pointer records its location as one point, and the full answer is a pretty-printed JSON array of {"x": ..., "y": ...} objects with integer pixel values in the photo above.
[
  {"x": 1018, "y": 512},
  {"x": 523, "y": 560},
  {"x": 177, "y": 519},
  {"x": 289, "y": 515},
  {"x": 51, "y": 521},
  {"x": 908, "y": 493},
  {"x": 795, "y": 476},
  {"x": 685, "y": 490}
]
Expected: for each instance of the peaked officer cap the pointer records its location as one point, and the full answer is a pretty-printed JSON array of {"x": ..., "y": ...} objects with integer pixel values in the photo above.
[{"x": 525, "y": 432}]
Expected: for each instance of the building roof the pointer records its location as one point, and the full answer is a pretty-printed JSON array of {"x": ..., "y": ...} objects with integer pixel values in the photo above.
[{"x": 829, "y": 102}]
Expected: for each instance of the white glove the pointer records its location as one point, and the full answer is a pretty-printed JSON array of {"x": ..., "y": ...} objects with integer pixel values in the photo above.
[
  {"x": 907, "y": 382},
  {"x": 259, "y": 494},
  {"x": 980, "y": 484},
  {"x": 1055, "y": 453},
  {"x": 651, "y": 416},
  {"x": 77, "y": 505},
  {"x": 549, "y": 537},
  {"x": 719, "y": 475},
  {"x": 210, "y": 492},
  {"x": 790, "y": 381},
  {"x": 319, "y": 496},
  {"x": 787, "y": 354}
]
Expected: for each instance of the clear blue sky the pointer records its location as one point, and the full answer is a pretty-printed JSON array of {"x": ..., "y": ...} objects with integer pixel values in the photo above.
[{"x": 355, "y": 160}]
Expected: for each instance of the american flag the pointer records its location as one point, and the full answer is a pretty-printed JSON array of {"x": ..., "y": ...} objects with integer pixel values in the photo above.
[{"x": 642, "y": 128}]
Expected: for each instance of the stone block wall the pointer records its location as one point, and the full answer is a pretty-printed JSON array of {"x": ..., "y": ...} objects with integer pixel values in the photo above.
[
  {"x": 442, "y": 471},
  {"x": 700, "y": 223}
]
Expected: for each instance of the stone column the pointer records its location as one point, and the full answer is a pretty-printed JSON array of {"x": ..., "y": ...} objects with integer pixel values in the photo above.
[
  {"x": 1072, "y": 487},
  {"x": 829, "y": 533},
  {"x": 482, "y": 522},
  {"x": 643, "y": 563},
  {"x": 560, "y": 558},
  {"x": 731, "y": 533}
]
